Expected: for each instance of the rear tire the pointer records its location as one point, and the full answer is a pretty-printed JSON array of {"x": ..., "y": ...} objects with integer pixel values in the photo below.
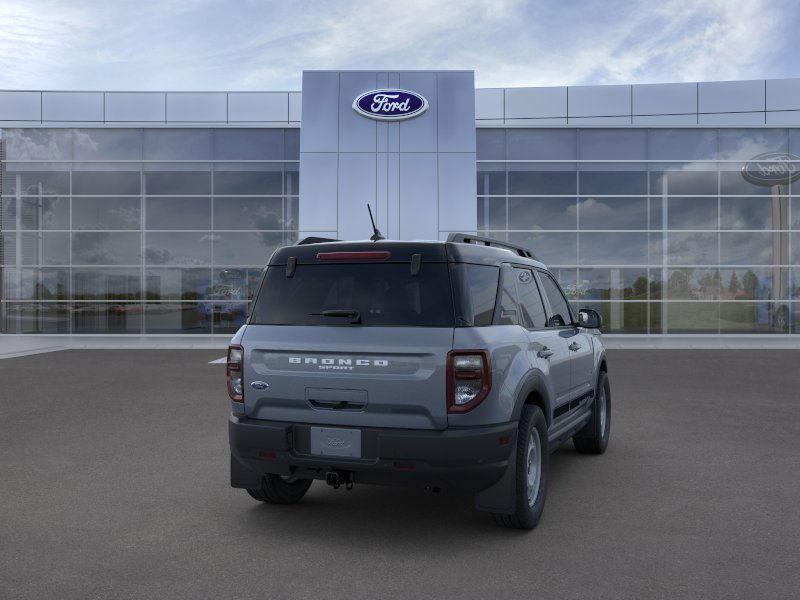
[
  {"x": 277, "y": 490},
  {"x": 593, "y": 438},
  {"x": 532, "y": 465}
]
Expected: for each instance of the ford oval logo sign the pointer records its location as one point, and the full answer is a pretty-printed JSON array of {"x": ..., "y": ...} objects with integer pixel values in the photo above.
[
  {"x": 390, "y": 105},
  {"x": 772, "y": 168}
]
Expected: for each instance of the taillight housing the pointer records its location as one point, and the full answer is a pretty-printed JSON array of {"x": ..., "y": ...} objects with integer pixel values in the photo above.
[
  {"x": 234, "y": 373},
  {"x": 469, "y": 379}
]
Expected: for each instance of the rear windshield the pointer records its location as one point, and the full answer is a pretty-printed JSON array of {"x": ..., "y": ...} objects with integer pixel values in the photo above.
[{"x": 382, "y": 294}]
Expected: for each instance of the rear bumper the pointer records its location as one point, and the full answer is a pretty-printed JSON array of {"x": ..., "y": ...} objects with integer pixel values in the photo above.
[{"x": 467, "y": 459}]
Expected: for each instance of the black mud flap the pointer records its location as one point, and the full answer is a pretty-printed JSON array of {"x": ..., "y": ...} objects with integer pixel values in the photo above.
[
  {"x": 502, "y": 496},
  {"x": 243, "y": 476}
]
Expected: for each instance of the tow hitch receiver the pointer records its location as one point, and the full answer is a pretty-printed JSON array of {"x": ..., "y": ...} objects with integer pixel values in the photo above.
[{"x": 338, "y": 478}]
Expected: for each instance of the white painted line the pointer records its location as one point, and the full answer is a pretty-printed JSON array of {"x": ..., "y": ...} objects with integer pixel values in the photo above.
[{"x": 219, "y": 361}]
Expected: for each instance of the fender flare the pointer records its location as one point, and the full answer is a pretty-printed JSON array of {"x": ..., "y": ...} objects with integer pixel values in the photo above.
[{"x": 534, "y": 381}]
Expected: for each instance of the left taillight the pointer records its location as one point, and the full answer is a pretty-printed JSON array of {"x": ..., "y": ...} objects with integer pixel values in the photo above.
[
  {"x": 469, "y": 379},
  {"x": 234, "y": 373}
]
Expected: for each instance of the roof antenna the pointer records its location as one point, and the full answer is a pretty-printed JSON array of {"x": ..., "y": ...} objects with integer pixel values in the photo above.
[{"x": 377, "y": 235}]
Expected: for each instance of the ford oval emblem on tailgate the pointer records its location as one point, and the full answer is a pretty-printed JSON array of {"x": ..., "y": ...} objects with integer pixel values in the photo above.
[{"x": 259, "y": 385}]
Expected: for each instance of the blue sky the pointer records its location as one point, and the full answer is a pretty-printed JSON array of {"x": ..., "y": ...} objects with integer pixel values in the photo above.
[{"x": 254, "y": 45}]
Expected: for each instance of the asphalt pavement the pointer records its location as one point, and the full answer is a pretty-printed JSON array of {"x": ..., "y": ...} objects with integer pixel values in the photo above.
[{"x": 114, "y": 484}]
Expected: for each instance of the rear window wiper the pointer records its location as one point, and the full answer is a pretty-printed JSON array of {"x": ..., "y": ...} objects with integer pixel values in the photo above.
[{"x": 353, "y": 315}]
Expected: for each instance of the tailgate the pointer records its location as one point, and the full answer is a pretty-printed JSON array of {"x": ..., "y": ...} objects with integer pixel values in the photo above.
[{"x": 351, "y": 376}]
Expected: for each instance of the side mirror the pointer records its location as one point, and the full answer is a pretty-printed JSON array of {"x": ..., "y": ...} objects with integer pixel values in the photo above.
[{"x": 589, "y": 319}]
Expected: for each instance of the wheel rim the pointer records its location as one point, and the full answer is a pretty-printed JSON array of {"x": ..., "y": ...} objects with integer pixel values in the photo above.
[
  {"x": 534, "y": 466},
  {"x": 602, "y": 407}
]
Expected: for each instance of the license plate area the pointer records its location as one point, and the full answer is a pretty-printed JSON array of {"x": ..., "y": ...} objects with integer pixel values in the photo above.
[{"x": 335, "y": 441}]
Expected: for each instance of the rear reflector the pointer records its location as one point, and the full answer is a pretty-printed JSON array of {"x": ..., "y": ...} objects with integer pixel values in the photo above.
[{"x": 370, "y": 255}]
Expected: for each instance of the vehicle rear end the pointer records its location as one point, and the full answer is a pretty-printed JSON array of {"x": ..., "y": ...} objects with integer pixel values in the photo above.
[{"x": 346, "y": 371}]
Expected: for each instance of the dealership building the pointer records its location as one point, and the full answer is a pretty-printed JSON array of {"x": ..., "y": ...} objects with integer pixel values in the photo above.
[{"x": 669, "y": 208}]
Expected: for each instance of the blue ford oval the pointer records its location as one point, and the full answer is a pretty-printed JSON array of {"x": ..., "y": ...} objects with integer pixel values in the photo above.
[{"x": 390, "y": 105}]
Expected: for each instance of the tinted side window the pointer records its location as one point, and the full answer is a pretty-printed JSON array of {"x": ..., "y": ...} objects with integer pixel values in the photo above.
[
  {"x": 508, "y": 299},
  {"x": 558, "y": 304},
  {"x": 530, "y": 301},
  {"x": 475, "y": 292}
]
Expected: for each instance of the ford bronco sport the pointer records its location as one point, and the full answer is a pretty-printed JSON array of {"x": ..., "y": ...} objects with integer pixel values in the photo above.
[{"x": 455, "y": 364}]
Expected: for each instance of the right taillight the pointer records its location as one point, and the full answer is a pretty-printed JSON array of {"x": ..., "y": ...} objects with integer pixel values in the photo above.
[
  {"x": 469, "y": 378},
  {"x": 234, "y": 373}
]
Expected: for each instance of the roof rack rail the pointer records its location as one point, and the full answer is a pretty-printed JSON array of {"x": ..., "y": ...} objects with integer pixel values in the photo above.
[
  {"x": 466, "y": 238},
  {"x": 315, "y": 240}
]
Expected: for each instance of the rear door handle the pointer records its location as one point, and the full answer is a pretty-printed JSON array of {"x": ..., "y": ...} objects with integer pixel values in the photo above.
[
  {"x": 545, "y": 352},
  {"x": 574, "y": 346}
]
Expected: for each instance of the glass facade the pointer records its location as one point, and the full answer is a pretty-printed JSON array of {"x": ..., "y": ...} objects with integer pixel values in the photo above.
[
  {"x": 160, "y": 230},
  {"x": 141, "y": 230},
  {"x": 656, "y": 229}
]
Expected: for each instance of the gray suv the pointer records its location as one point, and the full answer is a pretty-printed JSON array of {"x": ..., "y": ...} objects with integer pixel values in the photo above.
[{"x": 456, "y": 365}]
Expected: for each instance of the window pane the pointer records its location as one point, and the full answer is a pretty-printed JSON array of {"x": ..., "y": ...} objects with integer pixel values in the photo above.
[
  {"x": 118, "y": 183},
  {"x": 36, "y": 284},
  {"x": 567, "y": 278},
  {"x": 682, "y": 144},
  {"x": 178, "y": 284},
  {"x": 291, "y": 179},
  {"x": 747, "y": 317},
  {"x": 733, "y": 182},
  {"x": 475, "y": 292},
  {"x": 621, "y": 317},
  {"x": 690, "y": 317},
  {"x": 106, "y": 284},
  {"x": 491, "y": 213},
  {"x": 176, "y": 317},
  {"x": 683, "y": 183},
  {"x": 178, "y": 248},
  {"x": 106, "y": 317},
  {"x": 612, "y": 213},
  {"x": 35, "y": 183},
  {"x": 105, "y": 213},
  {"x": 693, "y": 284},
  {"x": 248, "y": 213},
  {"x": 754, "y": 213},
  {"x": 38, "y": 144},
  {"x": 178, "y": 183},
  {"x": 609, "y": 144},
  {"x": 229, "y": 317},
  {"x": 490, "y": 144},
  {"x": 49, "y": 248},
  {"x": 107, "y": 144},
  {"x": 248, "y": 144},
  {"x": 613, "y": 284},
  {"x": 174, "y": 212},
  {"x": 251, "y": 183},
  {"x": 34, "y": 317},
  {"x": 235, "y": 284},
  {"x": 613, "y": 182},
  {"x": 530, "y": 300},
  {"x": 8, "y": 214},
  {"x": 559, "y": 308},
  {"x": 541, "y": 144},
  {"x": 692, "y": 248},
  {"x": 522, "y": 181},
  {"x": 746, "y": 144},
  {"x": 291, "y": 142},
  {"x": 245, "y": 248},
  {"x": 491, "y": 179},
  {"x": 754, "y": 283},
  {"x": 115, "y": 248},
  {"x": 750, "y": 248},
  {"x": 550, "y": 248},
  {"x": 44, "y": 212},
  {"x": 542, "y": 213},
  {"x": 178, "y": 144},
  {"x": 613, "y": 248},
  {"x": 692, "y": 213}
]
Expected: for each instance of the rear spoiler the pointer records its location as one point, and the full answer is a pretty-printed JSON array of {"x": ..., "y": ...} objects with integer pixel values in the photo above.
[{"x": 315, "y": 240}]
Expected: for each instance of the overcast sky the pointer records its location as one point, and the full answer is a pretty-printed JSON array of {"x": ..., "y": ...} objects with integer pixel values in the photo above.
[{"x": 260, "y": 45}]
